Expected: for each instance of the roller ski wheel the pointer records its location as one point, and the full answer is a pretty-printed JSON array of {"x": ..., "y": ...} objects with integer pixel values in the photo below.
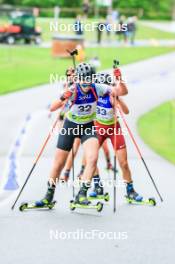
[
  {"x": 37, "y": 205},
  {"x": 74, "y": 205},
  {"x": 150, "y": 201},
  {"x": 104, "y": 197},
  {"x": 23, "y": 206},
  {"x": 99, "y": 207}
]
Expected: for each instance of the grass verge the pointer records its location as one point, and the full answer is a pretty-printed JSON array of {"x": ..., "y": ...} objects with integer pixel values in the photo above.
[{"x": 157, "y": 128}]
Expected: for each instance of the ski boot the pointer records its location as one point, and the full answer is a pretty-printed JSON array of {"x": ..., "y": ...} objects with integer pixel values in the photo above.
[
  {"x": 46, "y": 202},
  {"x": 98, "y": 194},
  {"x": 132, "y": 194},
  {"x": 81, "y": 201},
  {"x": 98, "y": 191},
  {"x": 133, "y": 197}
]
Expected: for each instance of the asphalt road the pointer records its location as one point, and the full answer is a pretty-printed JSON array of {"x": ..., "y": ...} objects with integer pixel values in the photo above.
[{"x": 135, "y": 234}]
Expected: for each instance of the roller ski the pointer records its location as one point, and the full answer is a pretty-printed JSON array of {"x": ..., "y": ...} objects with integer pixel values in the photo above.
[
  {"x": 74, "y": 205},
  {"x": 98, "y": 194},
  {"x": 133, "y": 197},
  {"x": 46, "y": 203},
  {"x": 82, "y": 202},
  {"x": 43, "y": 204},
  {"x": 149, "y": 201}
]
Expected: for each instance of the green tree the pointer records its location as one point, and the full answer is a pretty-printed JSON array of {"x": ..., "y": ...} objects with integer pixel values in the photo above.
[{"x": 51, "y": 3}]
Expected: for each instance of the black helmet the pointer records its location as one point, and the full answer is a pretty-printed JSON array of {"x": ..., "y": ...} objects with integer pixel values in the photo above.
[
  {"x": 104, "y": 78},
  {"x": 85, "y": 71}
]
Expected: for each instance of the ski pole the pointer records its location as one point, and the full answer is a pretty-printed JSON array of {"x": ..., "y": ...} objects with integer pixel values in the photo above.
[
  {"x": 140, "y": 154},
  {"x": 35, "y": 162},
  {"x": 73, "y": 172},
  {"x": 115, "y": 158},
  {"x": 72, "y": 54},
  {"x": 115, "y": 64}
]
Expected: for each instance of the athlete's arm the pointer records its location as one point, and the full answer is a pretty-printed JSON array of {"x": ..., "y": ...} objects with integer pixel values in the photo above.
[
  {"x": 123, "y": 106},
  {"x": 121, "y": 88},
  {"x": 56, "y": 105},
  {"x": 119, "y": 103},
  {"x": 61, "y": 101},
  {"x": 115, "y": 91}
]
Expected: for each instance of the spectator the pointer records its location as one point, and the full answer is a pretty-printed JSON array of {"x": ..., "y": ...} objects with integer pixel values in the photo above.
[
  {"x": 115, "y": 15},
  {"x": 86, "y": 7},
  {"x": 132, "y": 29},
  {"x": 100, "y": 28},
  {"x": 109, "y": 22},
  {"x": 78, "y": 27},
  {"x": 122, "y": 34}
]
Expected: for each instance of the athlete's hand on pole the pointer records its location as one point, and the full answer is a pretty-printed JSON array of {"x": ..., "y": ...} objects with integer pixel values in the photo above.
[
  {"x": 117, "y": 73},
  {"x": 120, "y": 86},
  {"x": 61, "y": 101}
]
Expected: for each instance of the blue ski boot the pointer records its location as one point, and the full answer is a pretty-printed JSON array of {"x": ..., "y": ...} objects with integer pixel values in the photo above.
[
  {"x": 132, "y": 194},
  {"x": 98, "y": 189},
  {"x": 48, "y": 198}
]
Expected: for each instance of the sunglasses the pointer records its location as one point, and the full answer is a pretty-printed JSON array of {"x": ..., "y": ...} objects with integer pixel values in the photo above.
[{"x": 85, "y": 85}]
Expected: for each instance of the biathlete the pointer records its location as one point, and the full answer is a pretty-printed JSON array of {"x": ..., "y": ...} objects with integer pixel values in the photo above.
[
  {"x": 107, "y": 122},
  {"x": 70, "y": 73},
  {"x": 83, "y": 98}
]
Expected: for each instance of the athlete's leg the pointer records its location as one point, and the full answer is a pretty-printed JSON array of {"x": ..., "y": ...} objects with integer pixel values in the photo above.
[
  {"x": 91, "y": 158},
  {"x": 98, "y": 188},
  {"x": 118, "y": 142},
  {"x": 69, "y": 161},
  {"x": 58, "y": 164},
  {"x": 123, "y": 163},
  {"x": 83, "y": 164},
  {"x": 64, "y": 145},
  {"x": 107, "y": 154},
  {"x": 101, "y": 140}
]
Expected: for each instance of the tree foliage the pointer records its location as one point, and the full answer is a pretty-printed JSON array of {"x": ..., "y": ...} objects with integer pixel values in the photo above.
[
  {"x": 159, "y": 5},
  {"x": 44, "y": 3},
  {"x": 163, "y": 6}
]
